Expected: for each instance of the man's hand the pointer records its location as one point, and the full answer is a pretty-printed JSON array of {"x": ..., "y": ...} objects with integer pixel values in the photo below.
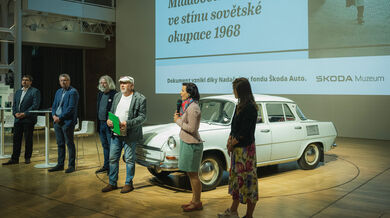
[
  {"x": 17, "y": 115},
  {"x": 22, "y": 115},
  {"x": 123, "y": 125},
  {"x": 56, "y": 119},
  {"x": 110, "y": 124}
]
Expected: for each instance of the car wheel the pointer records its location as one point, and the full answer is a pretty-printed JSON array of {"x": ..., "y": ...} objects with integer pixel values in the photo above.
[
  {"x": 157, "y": 174},
  {"x": 311, "y": 157},
  {"x": 210, "y": 172}
]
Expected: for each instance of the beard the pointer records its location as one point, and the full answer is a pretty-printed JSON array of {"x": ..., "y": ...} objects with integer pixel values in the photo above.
[{"x": 102, "y": 88}]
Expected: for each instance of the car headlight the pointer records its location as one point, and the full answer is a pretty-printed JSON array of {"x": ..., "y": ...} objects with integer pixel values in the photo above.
[{"x": 171, "y": 143}]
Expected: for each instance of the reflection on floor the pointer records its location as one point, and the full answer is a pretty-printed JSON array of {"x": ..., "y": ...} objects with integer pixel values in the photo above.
[{"x": 353, "y": 181}]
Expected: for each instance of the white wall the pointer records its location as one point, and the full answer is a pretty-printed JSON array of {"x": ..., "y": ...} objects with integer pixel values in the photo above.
[{"x": 354, "y": 116}]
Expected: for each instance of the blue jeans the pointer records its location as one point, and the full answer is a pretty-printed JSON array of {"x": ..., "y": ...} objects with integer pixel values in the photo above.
[
  {"x": 105, "y": 138},
  {"x": 117, "y": 143},
  {"x": 64, "y": 135}
]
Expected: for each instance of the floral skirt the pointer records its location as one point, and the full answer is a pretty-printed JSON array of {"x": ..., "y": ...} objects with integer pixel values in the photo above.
[{"x": 243, "y": 176}]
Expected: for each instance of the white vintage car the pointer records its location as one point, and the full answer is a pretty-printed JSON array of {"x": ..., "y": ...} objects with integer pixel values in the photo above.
[{"x": 282, "y": 134}]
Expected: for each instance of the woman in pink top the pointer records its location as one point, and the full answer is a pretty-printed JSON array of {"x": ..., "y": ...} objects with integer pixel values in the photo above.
[{"x": 191, "y": 146}]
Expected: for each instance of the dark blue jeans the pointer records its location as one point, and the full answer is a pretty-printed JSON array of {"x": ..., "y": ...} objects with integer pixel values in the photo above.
[
  {"x": 105, "y": 138},
  {"x": 117, "y": 144},
  {"x": 64, "y": 135}
]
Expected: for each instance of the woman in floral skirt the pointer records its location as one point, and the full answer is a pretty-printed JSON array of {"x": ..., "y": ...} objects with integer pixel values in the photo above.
[{"x": 241, "y": 146}]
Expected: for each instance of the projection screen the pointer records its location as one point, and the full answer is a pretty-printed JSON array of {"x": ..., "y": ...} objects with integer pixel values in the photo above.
[{"x": 281, "y": 46}]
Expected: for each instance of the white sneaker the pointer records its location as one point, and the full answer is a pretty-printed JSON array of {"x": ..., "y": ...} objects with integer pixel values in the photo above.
[{"x": 227, "y": 214}]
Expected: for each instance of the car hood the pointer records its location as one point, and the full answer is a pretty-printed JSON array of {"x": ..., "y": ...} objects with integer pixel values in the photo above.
[{"x": 157, "y": 135}]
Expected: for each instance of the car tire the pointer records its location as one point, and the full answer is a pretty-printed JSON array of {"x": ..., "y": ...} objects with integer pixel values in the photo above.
[
  {"x": 210, "y": 172},
  {"x": 311, "y": 157},
  {"x": 157, "y": 174}
]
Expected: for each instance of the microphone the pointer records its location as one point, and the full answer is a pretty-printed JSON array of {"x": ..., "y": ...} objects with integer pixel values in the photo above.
[{"x": 178, "y": 105}]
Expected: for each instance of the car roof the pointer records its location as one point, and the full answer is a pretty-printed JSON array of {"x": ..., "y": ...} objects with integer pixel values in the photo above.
[{"x": 258, "y": 97}]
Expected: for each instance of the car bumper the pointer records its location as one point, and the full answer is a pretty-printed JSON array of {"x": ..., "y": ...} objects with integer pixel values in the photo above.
[
  {"x": 159, "y": 166},
  {"x": 154, "y": 158}
]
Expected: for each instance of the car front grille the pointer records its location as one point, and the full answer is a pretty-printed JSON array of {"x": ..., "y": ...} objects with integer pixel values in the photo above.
[{"x": 149, "y": 154}]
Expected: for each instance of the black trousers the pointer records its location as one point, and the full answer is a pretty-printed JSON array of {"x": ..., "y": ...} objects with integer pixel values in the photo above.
[{"x": 19, "y": 129}]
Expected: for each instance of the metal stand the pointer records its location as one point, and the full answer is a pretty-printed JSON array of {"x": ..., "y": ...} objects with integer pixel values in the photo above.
[
  {"x": 47, "y": 141},
  {"x": 2, "y": 155}
]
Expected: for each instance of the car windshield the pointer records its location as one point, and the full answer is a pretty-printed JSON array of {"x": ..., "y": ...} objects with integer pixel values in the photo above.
[
  {"x": 216, "y": 111},
  {"x": 300, "y": 113}
]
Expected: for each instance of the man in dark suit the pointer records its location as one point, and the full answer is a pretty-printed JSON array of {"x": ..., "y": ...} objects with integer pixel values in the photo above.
[
  {"x": 64, "y": 112},
  {"x": 26, "y": 99},
  {"x": 130, "y": 107}
]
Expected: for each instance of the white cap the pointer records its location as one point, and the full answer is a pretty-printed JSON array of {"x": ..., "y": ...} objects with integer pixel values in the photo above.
[{"x": 127, "y": 79}]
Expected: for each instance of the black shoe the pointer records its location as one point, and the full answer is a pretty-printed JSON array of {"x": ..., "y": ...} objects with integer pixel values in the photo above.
[
  {"x": 70, "y": 170},
  {"x": 101, "y": 170},
  {"x": 56, "y": 168},
  {"x": 10, "y": 162},
  {"x": 27, "y": 161}
]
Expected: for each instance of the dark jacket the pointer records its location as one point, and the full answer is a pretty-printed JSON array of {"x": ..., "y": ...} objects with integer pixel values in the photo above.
[
  {"x": 69, "y": 106},
  {"x": 31, "y": 101},
  {"x": 111, "y": 94},
  {"x": 243, "y": 126},
  {"x": 136, "y": 117}
]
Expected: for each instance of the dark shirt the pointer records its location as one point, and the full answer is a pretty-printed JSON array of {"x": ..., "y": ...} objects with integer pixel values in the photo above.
[
  {"x": 110, "y": 99},
  {"x": 243, "y": 126},
  {"x": 102, "y": 115}
]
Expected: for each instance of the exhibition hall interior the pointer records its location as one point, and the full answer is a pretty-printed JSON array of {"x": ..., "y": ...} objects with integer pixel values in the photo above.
[{"x": 96, "y": 99}]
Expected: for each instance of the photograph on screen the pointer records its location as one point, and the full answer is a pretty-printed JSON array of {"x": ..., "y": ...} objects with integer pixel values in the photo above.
[{"x": 349, "y": 28}]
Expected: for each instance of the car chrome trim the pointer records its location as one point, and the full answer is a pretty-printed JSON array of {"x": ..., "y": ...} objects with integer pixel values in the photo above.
[{"x": 149, "y": 147}]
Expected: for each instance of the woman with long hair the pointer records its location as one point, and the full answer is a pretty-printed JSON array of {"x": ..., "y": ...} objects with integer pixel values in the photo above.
[
  {"x": 191, "y": 145},
  {"x": 242, "y": 150}
]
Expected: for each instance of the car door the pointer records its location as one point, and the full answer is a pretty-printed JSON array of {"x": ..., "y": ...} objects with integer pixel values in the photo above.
[
  {"x": 262, "y": 137},
  {"x": 286, "y": 131}
]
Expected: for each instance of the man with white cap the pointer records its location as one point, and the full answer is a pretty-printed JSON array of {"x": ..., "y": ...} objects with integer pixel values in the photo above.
[{"x": 130, "y": 107}]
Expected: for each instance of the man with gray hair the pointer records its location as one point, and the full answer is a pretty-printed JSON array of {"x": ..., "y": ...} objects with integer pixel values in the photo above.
[
  {"x": 64, "y": 112},
  {"x": 130, "y": 107},
  {"x": 104, "y": 102}
]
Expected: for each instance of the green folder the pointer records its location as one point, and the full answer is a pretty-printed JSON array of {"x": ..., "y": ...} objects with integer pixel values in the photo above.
[{"x": 115, "y": 121}]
